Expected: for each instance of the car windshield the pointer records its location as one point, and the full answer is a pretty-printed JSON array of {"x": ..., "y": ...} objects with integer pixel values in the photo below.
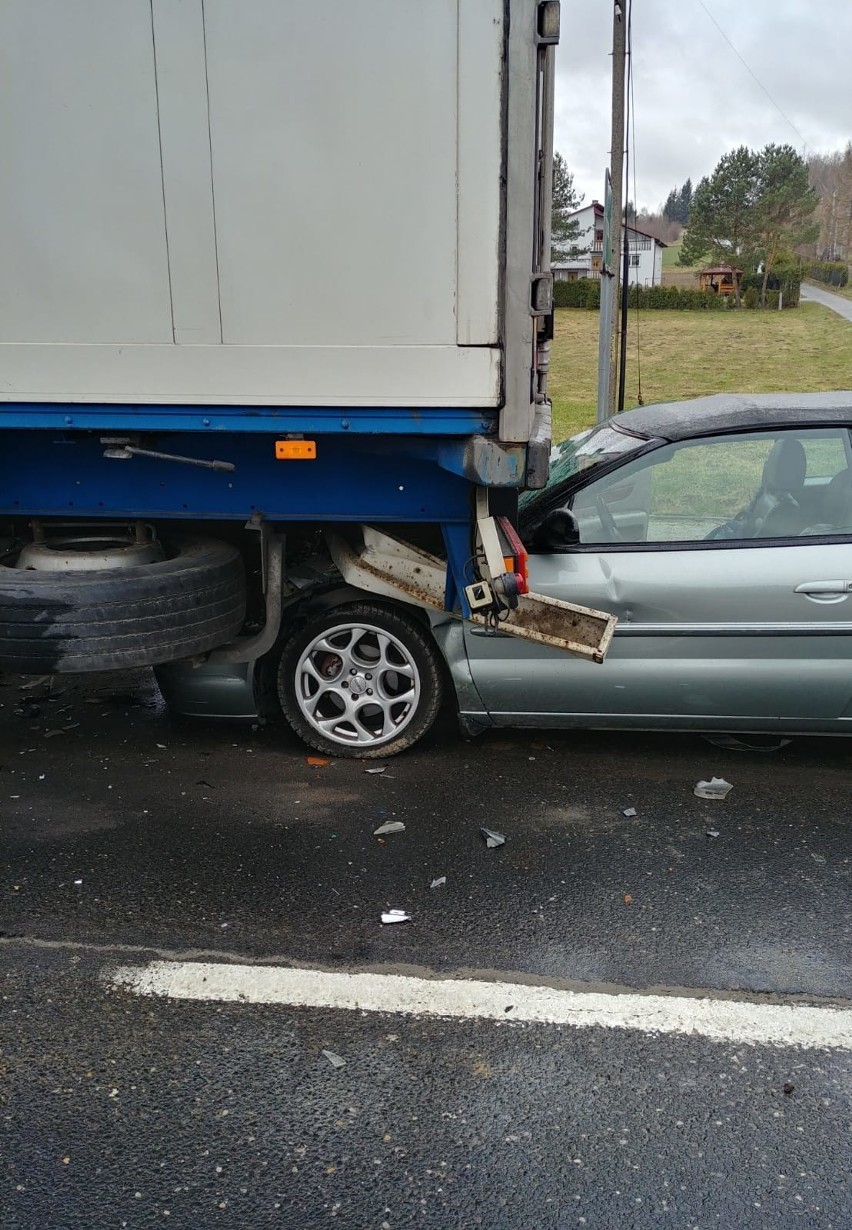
[{"x": 572, "y": 457}]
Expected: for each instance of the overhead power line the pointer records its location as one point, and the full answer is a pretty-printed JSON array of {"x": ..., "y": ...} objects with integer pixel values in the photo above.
[{"x": 754, "y": 75}]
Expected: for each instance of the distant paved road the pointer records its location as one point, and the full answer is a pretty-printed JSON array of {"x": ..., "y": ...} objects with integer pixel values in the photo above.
[{"x": 814, "y": 294}]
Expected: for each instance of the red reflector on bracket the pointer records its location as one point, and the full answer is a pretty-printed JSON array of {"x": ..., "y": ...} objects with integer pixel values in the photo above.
[
  {"x": 295, "y": 450},
  {"x": 519, "y": 553}
]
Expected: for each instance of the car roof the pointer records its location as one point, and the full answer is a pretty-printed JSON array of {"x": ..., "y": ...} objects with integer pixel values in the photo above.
[{"x": 730, "y": 412}]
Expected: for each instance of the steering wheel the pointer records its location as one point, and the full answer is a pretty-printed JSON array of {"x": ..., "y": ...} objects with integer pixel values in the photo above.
[{"x": 607, "y": 520}]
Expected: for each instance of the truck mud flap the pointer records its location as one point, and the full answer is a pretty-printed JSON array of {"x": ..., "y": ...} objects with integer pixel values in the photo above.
[{"x": 394, "y": 569}]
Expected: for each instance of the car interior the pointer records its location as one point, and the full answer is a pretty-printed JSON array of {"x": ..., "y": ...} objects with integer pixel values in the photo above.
[{"x": 762, "y": 486}]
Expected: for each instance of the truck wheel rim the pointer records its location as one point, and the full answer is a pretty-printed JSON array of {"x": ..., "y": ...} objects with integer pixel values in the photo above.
[
  {"x": 92, "y": 552},
  {"x": 357, "y": 684}
]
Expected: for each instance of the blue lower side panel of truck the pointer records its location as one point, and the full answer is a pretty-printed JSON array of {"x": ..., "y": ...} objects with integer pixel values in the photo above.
[{"x": 370, "y": 465}]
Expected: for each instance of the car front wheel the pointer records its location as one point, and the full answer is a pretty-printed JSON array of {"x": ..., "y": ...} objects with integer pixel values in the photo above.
[{"x": 360, "y": 681}]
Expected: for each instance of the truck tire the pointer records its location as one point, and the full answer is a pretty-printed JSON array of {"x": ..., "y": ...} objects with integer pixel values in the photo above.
[
  {"x": 115, "y": 619},
  {"x": 360, "y": 681}
]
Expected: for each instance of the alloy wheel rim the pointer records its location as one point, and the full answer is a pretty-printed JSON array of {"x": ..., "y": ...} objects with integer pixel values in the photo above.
[{"x": 357, "y": 685}]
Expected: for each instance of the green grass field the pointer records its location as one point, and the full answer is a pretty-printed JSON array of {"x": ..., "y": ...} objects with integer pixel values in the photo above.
[
  {"x": 671, "y": 255},
  {"x": 690, "y": 354}
]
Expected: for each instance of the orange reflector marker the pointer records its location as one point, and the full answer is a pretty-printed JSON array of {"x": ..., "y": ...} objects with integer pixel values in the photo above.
[{"x": 295, "y": 450}]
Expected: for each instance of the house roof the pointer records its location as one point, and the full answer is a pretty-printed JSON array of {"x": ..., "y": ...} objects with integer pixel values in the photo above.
[
  {"x": 720, "y": 269},
  {"x": 599, "y": 212}
]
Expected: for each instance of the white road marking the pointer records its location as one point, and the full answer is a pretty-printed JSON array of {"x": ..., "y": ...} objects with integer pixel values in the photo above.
[{"x": 730, "y": 1020}]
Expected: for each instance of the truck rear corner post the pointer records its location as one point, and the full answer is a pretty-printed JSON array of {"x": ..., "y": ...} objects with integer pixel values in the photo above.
[{"x": 210, "y": 353}]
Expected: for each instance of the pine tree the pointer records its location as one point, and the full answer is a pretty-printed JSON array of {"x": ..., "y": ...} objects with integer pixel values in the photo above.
[
  {"x": 565, "y": 230},
  {"x": 684, "y": 203},
  {"x": 786, "y": 206},
  {"x": 752, "y": 209},
  {"x": 676, "y": 208},
  {"x": 723, "y": 215},
  {"x": 671, "y": 207}
]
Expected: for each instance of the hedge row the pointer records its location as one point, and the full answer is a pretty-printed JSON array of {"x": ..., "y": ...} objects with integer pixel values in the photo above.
[
  {"x": 787, "y": 280},
  {"x": 833, "y": 273},
  {"x": 583, "y": 293},
  {"x": 586, "y": 293}
]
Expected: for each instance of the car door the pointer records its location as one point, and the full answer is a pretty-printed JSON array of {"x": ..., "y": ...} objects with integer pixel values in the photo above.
[{"x": 725, "y": 617}]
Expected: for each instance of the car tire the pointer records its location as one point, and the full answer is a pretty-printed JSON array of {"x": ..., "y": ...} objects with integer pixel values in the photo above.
[
  {"x": 360, "y": 681},
  {"x": 116, "y": 619}
]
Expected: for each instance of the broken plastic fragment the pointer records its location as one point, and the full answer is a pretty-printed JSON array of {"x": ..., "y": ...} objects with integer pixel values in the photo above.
[
  {"x": 318, "y": 762},
  {"x": 711, "y": 833},
  {"x": 334, "y": 1060},
  {"x": 390, "y": 826},
  {"x": 627, "y": 899},
  {"x": 746, "y": 745},
  {"x": 439, "y": 883},
  {"x": 492, "y": 838},
  {"x": 395, "y": 916},
  {"x": 381, "y": 769},
  {"x": 34, "y": 683},
  {"x": 629, "y": 812},
  {"x": 716, "y": 788}
]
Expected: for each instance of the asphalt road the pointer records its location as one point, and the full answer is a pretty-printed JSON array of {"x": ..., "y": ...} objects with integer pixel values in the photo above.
[
  {"x": 836, "y": 303},
  {"x": 131, "y": 836}
]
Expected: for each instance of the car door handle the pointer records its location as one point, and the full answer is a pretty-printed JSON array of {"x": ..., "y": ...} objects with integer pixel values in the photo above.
[{"x": 824, "y": 590}]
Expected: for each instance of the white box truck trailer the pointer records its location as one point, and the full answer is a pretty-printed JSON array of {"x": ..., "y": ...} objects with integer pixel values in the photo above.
[{"x": 265, "y": 266}]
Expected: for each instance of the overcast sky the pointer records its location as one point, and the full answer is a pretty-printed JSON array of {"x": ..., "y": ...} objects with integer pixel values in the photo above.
[{"x": 694, "y": 98}]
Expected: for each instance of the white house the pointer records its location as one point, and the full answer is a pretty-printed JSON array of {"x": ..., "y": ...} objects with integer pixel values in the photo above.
[{"x": 646, "y": 252}]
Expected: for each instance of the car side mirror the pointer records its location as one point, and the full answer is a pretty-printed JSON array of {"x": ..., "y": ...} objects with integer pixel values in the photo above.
[{"x": 559, "y": 531}]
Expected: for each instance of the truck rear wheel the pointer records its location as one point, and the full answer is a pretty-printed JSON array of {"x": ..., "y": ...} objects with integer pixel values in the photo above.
[
  {"x": 360, "y": 681},
  {"x": 103, "y": 615}
]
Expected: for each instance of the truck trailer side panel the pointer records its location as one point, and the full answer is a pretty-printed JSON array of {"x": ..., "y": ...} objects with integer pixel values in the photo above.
[{"x": 258, "y": 202}]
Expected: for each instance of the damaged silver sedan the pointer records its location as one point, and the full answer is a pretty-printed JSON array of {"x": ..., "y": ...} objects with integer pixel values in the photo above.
[{"x": 717, "y": 533}]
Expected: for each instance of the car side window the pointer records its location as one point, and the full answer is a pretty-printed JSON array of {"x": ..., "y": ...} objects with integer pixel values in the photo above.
[{"x": 780, "y": 484}]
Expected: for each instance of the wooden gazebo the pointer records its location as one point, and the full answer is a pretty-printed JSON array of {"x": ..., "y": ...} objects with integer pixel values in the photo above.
[{"x": 720, "y": 279}]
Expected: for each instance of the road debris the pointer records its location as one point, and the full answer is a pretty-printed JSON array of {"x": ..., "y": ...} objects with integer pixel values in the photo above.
[
  {"x": 335, "y": 1060},
  {"x": 439, "y": 883},
  {"x": 492, "y": 838},
  {"x": 395, "y": 916},
  {"x": 788, "y": 1087},
  {"x": 627, "y": 899},
  {"x": 734, "y": 744},
  {"x": 711, "y": 833},
  {"x": 317, "y": 762},
  {"x": 34, "y": 683},
  {"x": 716, "y": 788},
  {"x": 381, "y": 769},
  {"x": 630, "y": 812},
  {"x": 390, "y": 826}
]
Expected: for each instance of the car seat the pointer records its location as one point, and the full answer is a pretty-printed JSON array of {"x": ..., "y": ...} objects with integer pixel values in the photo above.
[
  {"x": 836, "y": 507},
  {"x": 774, "y": 512}
]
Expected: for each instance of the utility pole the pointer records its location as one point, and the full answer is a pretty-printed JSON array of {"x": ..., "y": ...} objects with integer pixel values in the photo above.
[{"x": 616, "y": 156}]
